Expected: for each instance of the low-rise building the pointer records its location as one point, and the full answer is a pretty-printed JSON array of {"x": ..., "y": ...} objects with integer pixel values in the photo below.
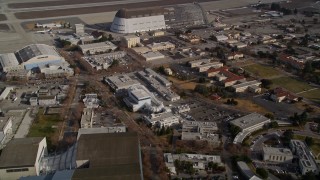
[
  {"x": 307, "y": 162},
  {"x": 94, "y": 48},
  {"x": 280, "y": 94},
  {"x": 33, "y": 101},
  {"x": 206, "y": 67},
  {"x": 22, "y": 157},
  {"x": 165, "y": 119},
  {"x": 138, "y": 98},
  {"x": 6, "y": 92},
  {"x": 121, "y": 82},
  {"x": 54, "y": 71},
  {"x": 246, "y": 171},
  {"x": 224, "y": 76},
  {"x": 152, "y": 55},
  {"x": 91, "y": 101},
  {"x": 130, "y": 41},
  {"x": 157, "y": 33},
  {"x": 199, "y": 161},
  {"x": 200, "y": 131},
  {"x": 191, "y": 38},
  {"x": 161, "y": 46},
  {"x": 280, "y": 155},
  {"x": 252, "y": 86},
  {"x": 47, "y": 100},
  {"x": 5, "y": 128},
  {"x": 197, "y": 63}
]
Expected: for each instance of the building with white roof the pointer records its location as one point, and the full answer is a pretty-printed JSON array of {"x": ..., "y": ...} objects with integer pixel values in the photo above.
[
  {"x": 280, "y": 155},
  {"x": 120, "y": 82},
  {"x": 31, "y": 56},
  {"x": 5, "y": 127},
  {"x": 138, "y": 98},
  {"x": 153, "y": 55},
  {"x": 247, "y": 85},
  {"x": 102, "y": 47},
  {"x": 161, "y": 46},
  {"x": 165, "y": 119},
  {"x": 91, "y": 101},
  {"x": 130, "y": 41},
  {"x": 53, "y": 71},
  {"x": 6, "y": 92}
]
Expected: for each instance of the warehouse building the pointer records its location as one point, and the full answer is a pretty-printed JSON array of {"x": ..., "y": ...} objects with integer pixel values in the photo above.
[
  {"x": 29, "y": 57},
  {"x": 280, "y": 155},
  {"x": 95, "y": 48},
  {"x": 138, "y": 20},
  {"x": 22, "y": 157}
]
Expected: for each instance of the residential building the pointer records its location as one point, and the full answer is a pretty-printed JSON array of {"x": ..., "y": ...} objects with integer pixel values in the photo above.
[
  {"x": 130, "y": 41},
  {"x": 98, "y": 48},
  {"x": 120, "y": 82},
  {"x": 161, "y": 46},
  {"x": 29, "y": 57},
  {"x": 280, "y": 155},
  {"x": 307, "y": 162},
  {"x": 21, "y": 157},
  {"x": 5, "y": 128}
]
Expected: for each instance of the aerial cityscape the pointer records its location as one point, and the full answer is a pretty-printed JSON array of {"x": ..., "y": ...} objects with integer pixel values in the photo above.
[{"x": 159, "y": 89}]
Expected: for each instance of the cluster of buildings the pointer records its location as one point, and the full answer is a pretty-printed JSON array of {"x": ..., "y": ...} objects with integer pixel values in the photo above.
[
  {"x": 41, "y": 56},
  {"x": 200, "y": 131}
]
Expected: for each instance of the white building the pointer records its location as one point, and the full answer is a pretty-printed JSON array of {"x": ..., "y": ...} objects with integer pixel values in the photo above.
[
  {"x": 5, "y": 128},
  {"x": 138, "y": 98},
  {"x": 54, "y": 71},
  {"x": 94, "y": 48},
  {"x": 252, "y": 86},
  {"x": 79, "y": 29},
  {"x": 153, "y": 55},
  {"x": 161, "y": 46},
  {"x": 47, "y": 100},
  {"x": 201, "y": 131},
  {"x": 138, "y": 20},
  {"x": 121, "y": 82},
  {"x": 280, "y": 155},
  {"x": 21, "y": 157},
  {"x": 165, "y": 119},
  {"x": 29, "y": 57},
  {"x": 307, "y": 162},
  {"x": 6, "y": 92},
  {"x": 91, "y": 101}
]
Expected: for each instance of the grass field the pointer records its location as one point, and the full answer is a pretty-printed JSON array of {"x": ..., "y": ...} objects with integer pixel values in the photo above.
[
  {"x": 315, "y": 148},
  {"x": 313, "y": 95},
  {"x": 187, "y": 85},
  {"x": 262, "y": 71},
  {"x": 250, "y": 106},
  {"x": 44, "y": 125},
  {"x": 291, "y": 84}
]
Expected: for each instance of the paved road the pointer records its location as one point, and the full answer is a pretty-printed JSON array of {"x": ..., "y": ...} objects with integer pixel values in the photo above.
[{"x": 24, "y": 127}]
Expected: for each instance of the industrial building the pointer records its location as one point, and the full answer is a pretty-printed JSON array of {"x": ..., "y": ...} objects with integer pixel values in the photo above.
[
  {"x": 199, "y": 161},
  {"x": 29, "y": 57},
  {"x": 21, "y": 157},
  {"x": 280, "y": 155},
  {"x": 120, "y": 82},
  {"x": 307, "y": 162},
  {"x": 138, "y": 20},
  {"x": 97, "y": 48}
]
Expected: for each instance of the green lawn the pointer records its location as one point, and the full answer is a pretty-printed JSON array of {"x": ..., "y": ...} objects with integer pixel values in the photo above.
[
  {"x": 291, "y": 84},
  {"x": 313, "y": 95},
  {"x": 262, "y": 71},
  {"x": 43, "y": 125}
]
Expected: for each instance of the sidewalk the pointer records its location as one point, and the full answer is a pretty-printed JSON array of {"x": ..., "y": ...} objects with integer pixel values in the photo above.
[{"x": 24, "y": 126}]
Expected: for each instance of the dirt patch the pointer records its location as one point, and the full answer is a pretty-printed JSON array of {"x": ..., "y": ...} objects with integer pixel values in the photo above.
[
  {"x": 97, "y": 9},
  {"x": 3, "y": 17}
]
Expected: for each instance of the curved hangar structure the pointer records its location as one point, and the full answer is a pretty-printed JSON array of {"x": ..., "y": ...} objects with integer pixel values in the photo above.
[
  {"x": 31, "y": 56},
  {"x": 138, "y": 20}
]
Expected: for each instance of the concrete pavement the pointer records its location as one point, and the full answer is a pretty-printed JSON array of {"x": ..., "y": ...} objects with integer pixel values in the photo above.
[{"x": 24, "y": 127}]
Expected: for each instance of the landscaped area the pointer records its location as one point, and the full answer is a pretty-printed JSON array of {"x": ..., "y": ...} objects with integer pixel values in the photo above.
[
  {"x": 44, "y": 125},
  {"x": 262, "y": 71},
  {"x": 291, "y": 84},
  {"x": 313, "y": 95}
]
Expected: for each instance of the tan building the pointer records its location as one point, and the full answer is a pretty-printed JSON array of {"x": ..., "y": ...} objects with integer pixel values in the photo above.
[
  {"x": 21, "y": 157},
  {"x": 130, "y": 41},
  {"x": 281, "y": 155}
]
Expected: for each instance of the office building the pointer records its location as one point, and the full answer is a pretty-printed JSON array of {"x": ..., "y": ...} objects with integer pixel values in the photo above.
[
  {"x": 5, "y": 128},
  {"x": 280, "y": 155},
  {"x": 121, "y": 82},
  {"x": 130, "y": 41},
  {"x": 97, "y": 48}
]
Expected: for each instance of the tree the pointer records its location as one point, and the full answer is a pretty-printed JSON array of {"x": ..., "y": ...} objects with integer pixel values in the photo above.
[
  {"x": 115, "y": 62},
  {"x": 202, "y": 89},
  {"x": 266, "y": 83},
  {"x": 234, "y": 130},
  {"x": 309, "y": 141},
  {"x": 295, "y": 11},
  {"x": 287, "y": 135},
  {"x": 269, "y": 115},
  {"x": 110, "y": 37},
  {"x": 202, "y": 80},
  {"x": 262, "y": 173},
  {"x": 274, "y": 124}
]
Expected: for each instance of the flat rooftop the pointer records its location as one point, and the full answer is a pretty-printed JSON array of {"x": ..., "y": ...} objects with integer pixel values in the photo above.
[
  {"x": 277, "y": 151},
  {"x": 20, "y": 152},
  {"x": 249, "y": 120}
]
